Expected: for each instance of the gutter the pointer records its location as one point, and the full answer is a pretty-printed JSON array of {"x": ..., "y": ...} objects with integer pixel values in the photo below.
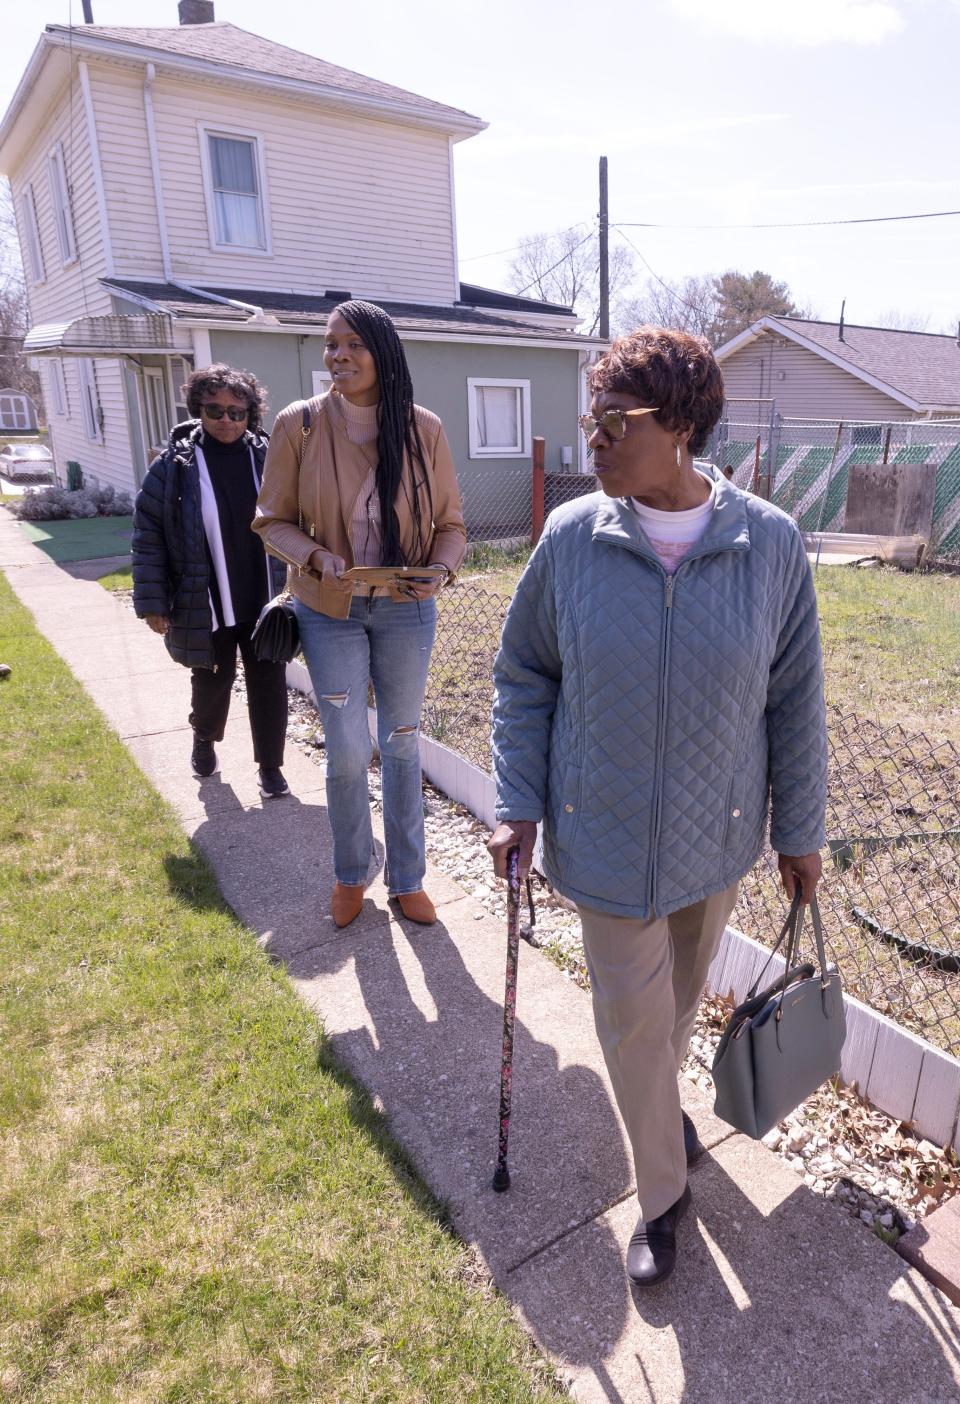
[
  {"x": 97, "y": 168},
  {"x": 150, "y": 74}
]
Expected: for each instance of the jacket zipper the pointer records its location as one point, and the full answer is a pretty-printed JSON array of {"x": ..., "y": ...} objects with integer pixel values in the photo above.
[{"x": 665, "y": 638}]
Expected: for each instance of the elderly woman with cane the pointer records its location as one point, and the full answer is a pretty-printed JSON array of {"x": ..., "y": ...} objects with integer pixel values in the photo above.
[{"x": 658, "y": 694}]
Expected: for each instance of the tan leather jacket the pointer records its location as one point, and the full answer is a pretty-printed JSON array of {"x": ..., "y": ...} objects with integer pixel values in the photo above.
[{"x": 320, "y": 477}]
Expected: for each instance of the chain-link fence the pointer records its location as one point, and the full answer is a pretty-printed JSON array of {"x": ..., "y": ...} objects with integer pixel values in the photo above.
[
  {"x": 803, "y": 465},
  {"x": 891, "y": 895},
  {"x": 498, "y": 499}
]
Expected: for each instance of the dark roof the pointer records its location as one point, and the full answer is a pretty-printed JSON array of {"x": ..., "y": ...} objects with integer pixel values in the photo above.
[
  {"x": 474, "y": 296},
  {"x": 237, "y": 48},
  {"x": 921, "y": 365},
  {"x": 303, "y": 309}
]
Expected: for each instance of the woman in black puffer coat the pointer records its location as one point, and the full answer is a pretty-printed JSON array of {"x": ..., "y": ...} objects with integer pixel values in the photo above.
[{"x": 200, "y": 575}]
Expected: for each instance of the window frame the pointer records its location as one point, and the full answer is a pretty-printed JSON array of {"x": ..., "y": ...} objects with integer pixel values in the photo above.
[
  {"x": 35, "y": 260},
  {"x": 155, "y": 390},
  {"x": 90, "y": 410},
  {"x": 58, "y": 385},
  {"x": 62, "y": 208},
  {"x": 205, "y": 131},
  {"x": 477, "y": 450}
]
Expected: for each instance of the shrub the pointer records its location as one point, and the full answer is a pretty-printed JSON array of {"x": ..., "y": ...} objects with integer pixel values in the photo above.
[{"x": 55, "y": 503}]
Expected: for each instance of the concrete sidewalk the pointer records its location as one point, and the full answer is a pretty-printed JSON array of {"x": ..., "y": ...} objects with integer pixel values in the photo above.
[{"x": 778, "y": 1295}]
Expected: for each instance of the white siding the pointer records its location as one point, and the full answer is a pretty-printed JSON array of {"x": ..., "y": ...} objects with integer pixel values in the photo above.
[
  {"x": 61, "y": 295},
  {"x": 106, "y": 462},
  {"x": 117, "y": 95},
  {"x": 354, "y": 204},
  {"x": 811, "y": 386}
]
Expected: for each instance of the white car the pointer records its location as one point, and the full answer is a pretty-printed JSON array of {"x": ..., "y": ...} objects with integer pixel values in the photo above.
[{"x": 34, "y": 461}]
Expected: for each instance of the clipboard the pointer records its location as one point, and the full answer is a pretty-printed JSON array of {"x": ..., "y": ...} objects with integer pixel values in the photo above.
[{"x": 394, "y": 575}]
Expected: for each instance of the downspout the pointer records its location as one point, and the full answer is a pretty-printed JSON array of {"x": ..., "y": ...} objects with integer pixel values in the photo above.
[
  {"x": 97, "y": 168},
  {"x": 150, "y": 75},
  {"x": 256, "y": 313}
]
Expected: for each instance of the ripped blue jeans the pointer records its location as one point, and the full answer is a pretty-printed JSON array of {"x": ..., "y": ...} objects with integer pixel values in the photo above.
[{"x": 388, "y": 643}]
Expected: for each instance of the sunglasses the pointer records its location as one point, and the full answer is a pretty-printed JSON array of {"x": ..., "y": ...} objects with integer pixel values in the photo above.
[
  {"x": 231, "y": 411},
  {"x": 612, "y": 423}
]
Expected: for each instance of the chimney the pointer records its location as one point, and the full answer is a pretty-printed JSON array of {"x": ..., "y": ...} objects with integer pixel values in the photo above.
[
  {"x": 843, "y": 309},
  {"x": 196, "y": 11}
]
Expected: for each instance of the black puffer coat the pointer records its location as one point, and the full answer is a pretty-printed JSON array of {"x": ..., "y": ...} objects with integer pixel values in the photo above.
[{"x": 171, "y": 571}]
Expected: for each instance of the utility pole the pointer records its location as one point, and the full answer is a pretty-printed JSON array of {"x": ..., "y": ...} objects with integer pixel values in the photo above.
[{"x": 604, "y": 327}]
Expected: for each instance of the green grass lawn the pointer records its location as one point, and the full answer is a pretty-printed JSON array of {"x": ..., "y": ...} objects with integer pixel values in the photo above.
[
  {"x": 891, "y": 644},
  {"x": 196, "y": 1203},
  {"x": 121, "y": 579},
  {"x": 891, "y": 640}
]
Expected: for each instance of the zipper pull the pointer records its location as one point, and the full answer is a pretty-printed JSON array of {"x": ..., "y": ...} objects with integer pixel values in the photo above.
[{"x": 669, "y": 592}]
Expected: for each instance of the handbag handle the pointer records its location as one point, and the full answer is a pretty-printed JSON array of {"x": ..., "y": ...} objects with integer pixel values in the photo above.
[{"x": 791, "y": 931}]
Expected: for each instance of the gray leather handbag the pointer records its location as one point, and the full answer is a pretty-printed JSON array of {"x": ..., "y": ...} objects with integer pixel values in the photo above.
[{"x": 783, "y": 1042}]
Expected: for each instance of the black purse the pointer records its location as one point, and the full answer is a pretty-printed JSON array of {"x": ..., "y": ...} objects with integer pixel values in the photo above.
[{"x": 276, "y": 634}]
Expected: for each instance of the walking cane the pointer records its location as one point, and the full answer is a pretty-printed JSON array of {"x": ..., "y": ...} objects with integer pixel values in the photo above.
[{"x": 501, "y": 1176}]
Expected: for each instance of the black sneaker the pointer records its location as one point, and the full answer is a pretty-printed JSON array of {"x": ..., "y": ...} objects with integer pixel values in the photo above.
[
  {"x": 203, "y": 761},
  {"x": 273, "y": 785}
]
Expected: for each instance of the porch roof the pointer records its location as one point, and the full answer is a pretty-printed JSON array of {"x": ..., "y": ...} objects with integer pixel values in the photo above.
[
  {"x": 252, "y": 308},
  {"x": 113, "y": 335}
]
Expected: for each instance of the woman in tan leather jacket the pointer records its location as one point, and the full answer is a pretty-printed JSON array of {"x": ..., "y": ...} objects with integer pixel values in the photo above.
[{"x": 362, "y": 476}]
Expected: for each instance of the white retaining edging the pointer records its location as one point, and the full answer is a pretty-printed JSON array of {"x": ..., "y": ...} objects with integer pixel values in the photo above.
[{"x": 900, "y": 1073}]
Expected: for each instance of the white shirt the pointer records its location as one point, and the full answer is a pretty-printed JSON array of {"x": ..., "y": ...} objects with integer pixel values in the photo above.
[{"x": 671, "y": 534}]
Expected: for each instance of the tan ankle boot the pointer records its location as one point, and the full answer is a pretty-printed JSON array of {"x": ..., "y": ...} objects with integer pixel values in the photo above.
[
  {"x": 345, "y": 903},
  {"x": 416, "y": 906}
]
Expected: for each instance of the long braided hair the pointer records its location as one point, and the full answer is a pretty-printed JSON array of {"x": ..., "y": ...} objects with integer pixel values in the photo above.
[{"x": 397, "y": 431}]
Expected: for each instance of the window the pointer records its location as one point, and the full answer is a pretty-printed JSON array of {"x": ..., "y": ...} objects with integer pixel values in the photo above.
[
  {"x": 90, "y": 402},
  {"x": 181, "y": 369},
  {"x": 58, "y": 384},
  {"x": 233, "y": 171},
  {"x": 321, "y": 382},
  {"x": 31, "y": 233},
  {"x": 499, "y": 418},
  {"x": 156, "y": 408},
  {"x": 15, "y": 411},
  {"x": 60, "y": 195}
]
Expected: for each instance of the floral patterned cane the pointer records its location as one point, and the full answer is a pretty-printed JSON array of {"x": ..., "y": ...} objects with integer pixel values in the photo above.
[{"x": 501, "y": 1176}]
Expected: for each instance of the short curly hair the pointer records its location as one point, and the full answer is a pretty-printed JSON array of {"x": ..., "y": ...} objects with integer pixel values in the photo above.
[
  {"x": 241, "y": 383},
  {"x": 669, "y": 369}
]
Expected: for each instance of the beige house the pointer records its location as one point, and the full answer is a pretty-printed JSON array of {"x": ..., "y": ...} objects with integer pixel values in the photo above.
[
  {"x": 825, "y": 370},
  {"x": 196, "y": 192}
]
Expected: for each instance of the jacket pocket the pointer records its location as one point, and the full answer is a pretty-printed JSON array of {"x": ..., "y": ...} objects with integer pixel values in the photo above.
[{"x": 563, "y": 811}]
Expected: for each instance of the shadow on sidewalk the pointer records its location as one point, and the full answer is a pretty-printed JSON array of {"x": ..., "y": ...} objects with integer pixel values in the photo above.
[{"x": 408, "y": 1016}]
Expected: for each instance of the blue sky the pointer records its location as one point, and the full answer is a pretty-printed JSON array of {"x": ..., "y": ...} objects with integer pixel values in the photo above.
[{"x": 710, "y": 112}]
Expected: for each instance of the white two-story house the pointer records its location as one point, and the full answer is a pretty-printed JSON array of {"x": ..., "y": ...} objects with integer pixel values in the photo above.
[{"x": 198, "y": 193}]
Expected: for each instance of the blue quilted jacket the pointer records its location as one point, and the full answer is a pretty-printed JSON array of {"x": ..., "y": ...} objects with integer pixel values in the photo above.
[{"x": 649, "y": 720}]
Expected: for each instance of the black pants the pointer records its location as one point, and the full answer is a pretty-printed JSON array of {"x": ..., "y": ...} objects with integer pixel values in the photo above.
[{"x": 266, "y": 695}]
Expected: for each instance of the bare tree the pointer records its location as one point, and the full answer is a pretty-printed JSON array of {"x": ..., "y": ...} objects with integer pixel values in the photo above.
[
  {"x": 564, "y": 268},
  {"x": 689, "y": 305},
  {"x": 15, "y": 372},
  {"x": 897, "y": 319}
]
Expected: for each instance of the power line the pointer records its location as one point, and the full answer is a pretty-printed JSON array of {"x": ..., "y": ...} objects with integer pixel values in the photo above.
[
  {"x": 474, "y": 258},
  {"x": 547, "y": 271},
  {"x": 655, "y": 276},
  {"x": 806, "y": 224}
]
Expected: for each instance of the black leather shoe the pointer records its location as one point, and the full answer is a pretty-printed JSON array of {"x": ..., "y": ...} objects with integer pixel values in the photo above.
[
  {"x": 692, "y": 1144},
  {"x": 652, "y": 1251},
  {"x": 203, "y": 761}
]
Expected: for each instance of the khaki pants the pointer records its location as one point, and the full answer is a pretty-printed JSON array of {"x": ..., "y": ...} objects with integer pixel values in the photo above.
[{"x": 647, "y": 978}]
